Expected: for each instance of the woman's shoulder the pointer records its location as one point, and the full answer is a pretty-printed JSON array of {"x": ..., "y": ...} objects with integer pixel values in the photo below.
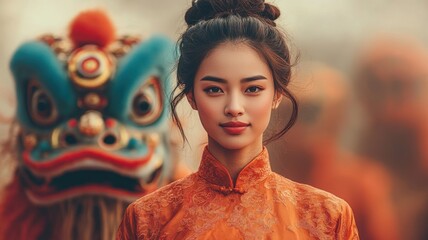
[
  {"x": 145, "y": 217},
  {"x": 309, "y": 195},
  {"x": 319, "y": 212},
  {"x": 168, "y": 195}
]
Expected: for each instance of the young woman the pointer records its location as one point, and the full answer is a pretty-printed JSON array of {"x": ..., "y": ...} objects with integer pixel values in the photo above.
[{"x": 234, "y": 69}]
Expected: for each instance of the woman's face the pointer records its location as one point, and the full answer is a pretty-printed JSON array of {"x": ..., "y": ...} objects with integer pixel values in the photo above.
[{"x": 234, "y": 95}]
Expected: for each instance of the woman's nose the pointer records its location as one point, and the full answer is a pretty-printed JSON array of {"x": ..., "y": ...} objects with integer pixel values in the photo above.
[{"x": 234, "y": 106}]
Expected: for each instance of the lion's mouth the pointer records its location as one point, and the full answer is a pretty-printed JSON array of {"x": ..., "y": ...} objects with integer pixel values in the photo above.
[
  {"x": 74, "y": 183},
  {"x": 90, "y": 171}
]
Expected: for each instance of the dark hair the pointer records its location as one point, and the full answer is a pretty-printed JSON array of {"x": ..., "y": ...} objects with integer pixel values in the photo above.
[{"x": 212, "y": 22}]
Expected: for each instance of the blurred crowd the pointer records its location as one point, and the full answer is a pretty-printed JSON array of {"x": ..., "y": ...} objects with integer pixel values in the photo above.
[{"x": 364, "y": 136}]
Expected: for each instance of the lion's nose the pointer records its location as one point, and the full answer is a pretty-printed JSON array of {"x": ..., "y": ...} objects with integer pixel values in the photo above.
[{"x": 91, "y": 123}]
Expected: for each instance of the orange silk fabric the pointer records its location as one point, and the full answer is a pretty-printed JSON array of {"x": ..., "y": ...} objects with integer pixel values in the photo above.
[{"x": 262, "y": 205}]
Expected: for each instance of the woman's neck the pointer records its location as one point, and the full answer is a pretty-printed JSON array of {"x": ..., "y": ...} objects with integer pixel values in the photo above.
[{"x": 234, "y": 160}]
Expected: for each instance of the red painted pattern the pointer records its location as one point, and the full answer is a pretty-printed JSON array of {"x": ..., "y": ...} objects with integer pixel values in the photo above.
[
  {"x": 72, "y": 123},
  {"x": 75, "y": 156},
  {"x": 110, "y": 122}
]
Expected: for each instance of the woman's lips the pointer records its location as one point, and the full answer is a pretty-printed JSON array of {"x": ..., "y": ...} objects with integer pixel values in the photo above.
[{"x": 234, "y": 128}]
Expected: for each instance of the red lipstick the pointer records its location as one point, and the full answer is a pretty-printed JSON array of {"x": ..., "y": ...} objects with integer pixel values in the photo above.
[{"x": 234, "y": 128}]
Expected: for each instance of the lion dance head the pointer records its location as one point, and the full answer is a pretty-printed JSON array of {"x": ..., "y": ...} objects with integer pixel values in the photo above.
[{"x": 91, "y": 132}]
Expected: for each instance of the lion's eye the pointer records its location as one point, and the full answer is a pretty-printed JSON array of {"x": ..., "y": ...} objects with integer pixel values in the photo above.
[
  {"x": 40, "y": 105},
  {"x": 147, "y": 105},
  {"x": 142, "y": 105}
]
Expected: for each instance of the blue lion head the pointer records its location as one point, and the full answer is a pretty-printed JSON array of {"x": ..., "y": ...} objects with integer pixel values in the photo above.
[{"x": 93, "y": 117}]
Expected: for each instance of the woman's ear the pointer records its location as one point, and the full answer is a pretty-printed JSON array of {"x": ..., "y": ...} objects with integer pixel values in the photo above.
[
  {"x": 191, "y": 99},
  {"x": 277, "y": 98}
]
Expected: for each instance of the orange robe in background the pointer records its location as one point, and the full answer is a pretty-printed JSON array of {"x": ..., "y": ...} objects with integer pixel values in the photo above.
[{"x": 262, "y": 205}]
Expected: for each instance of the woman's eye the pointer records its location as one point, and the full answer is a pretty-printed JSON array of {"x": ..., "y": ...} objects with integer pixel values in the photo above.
[
  {"x": 253, "y": 89},
  {"x": 213, "y": 90}
]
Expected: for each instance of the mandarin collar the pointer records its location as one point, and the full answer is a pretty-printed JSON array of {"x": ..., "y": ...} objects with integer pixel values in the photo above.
[{"x": 218, "y": 177}]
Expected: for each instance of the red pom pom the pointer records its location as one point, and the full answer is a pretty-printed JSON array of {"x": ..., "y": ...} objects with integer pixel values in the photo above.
[{"x": 92, "y": 27}]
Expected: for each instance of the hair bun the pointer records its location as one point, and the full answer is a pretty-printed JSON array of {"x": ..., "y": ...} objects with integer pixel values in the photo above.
[
  {"x": 208, "y": 9},
  {"x": 270, "y": 12}
]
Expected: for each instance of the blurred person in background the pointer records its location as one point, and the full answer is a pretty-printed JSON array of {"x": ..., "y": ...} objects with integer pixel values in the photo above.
[
  {"x": 314, "y": 154},
  {"x": 391, "y": 84}
]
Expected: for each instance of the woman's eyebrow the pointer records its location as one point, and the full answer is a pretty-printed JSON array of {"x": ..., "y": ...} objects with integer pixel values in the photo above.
[
  {"x": 214, "y": 79},
  {"x": 221, "y": 80},
  {"x": 253, "y": 78}
]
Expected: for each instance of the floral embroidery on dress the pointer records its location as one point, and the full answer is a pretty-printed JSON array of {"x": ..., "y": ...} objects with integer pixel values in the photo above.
[
  {"x": 255, "y": 172},
  {"x": 281, "y": 188},
  {"x": 318, "y": 211},
  {"x": 250, "y": 221},
  {"x": 216, "y": 174},
  {"x": 262, "y": 205},
  {"x": 168, "y": 197},
  {"x": 202, "y": 205}
]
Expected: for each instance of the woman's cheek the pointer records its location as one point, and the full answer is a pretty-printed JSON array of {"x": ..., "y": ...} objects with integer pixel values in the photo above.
[
  {"x": 209, "y": 108},
  {"x": 261, "y": 105}
]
